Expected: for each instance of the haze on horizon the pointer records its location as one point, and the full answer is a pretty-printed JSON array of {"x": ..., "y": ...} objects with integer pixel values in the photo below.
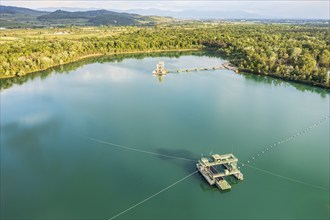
[{"x": 318, "y": 9}]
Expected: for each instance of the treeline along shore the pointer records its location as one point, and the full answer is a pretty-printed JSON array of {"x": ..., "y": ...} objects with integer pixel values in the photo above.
[{"x": 298, "y": 53}]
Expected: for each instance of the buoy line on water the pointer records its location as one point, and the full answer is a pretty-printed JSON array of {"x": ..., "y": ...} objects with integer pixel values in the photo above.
[
  {"x": 276, "y": 144},
  {"x": 255, "y": 156},
  {"x": 188, "y": 159},
  {"x": 266, "y": 149}
]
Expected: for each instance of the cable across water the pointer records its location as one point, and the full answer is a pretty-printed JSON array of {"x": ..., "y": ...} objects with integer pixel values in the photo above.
[
  {"x": 255, "y": 156},
  {"x": 188, "y": 159},
  {"x": 136, "y": 149},
  {"x": 264, "y": 150},
  {"x": 150, "y": 197},
  {"x": 288, "y": 178},
  {"x": 288, "y": 139}
]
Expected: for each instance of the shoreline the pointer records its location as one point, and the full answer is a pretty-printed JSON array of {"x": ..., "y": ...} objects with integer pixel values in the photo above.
[
  {"x": 240, "y": 71},
  {"x": 308, "y": 83},
  {"x": 100, "y": 55}
]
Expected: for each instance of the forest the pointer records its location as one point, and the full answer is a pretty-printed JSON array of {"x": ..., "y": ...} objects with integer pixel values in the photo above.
[{"x": 292, "y": 52}]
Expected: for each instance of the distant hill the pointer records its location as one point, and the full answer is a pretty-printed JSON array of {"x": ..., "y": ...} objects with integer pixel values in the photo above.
[
  {"x": 71, "y": 9},
  {"x": 112, "y": 19},
  {"x": 196, "y": 14},
  {"x": 18, "y": 10},
  {"x": 98, "y": 17},
  {"x": 60, "y": 14},
  {"x": 16, "y": 17}
]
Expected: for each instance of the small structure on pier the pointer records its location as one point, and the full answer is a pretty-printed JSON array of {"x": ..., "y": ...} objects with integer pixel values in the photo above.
[
  {"x": 212, "y": 173},
  {"x": 160, "y": 69},
  {"x": 230, "y": 66}
]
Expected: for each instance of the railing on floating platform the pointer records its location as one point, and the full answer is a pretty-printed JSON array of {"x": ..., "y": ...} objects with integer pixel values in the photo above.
[{"x": 228, "y": 162}]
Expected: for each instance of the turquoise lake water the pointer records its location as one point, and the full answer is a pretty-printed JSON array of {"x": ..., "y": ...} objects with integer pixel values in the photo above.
[{"x": 58, "y": 160}]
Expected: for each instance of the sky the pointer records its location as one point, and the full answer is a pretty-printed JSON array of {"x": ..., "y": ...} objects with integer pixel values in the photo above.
[{"x": 313, "y": 9}]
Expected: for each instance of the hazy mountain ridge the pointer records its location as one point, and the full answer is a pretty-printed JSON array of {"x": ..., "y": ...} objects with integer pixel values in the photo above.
[
  {"x": 19, "y": 10},
  {"x": 194, "y": 14},
  {"x": 187, "y": 14},
  {"x": 24, "y": 17},
  {"x": 70, "y": 9},
  {"x": 60, "y": 14},
  {"x": 18, "y": 17}
]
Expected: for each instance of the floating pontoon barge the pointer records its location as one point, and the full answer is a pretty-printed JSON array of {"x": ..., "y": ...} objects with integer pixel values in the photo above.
[
  {"x": 227, "y": 162},
  {"x": 160, "y": 69}
]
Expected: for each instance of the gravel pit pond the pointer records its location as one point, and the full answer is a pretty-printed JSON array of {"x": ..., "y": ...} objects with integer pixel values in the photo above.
[{"x": 86, "y": 141}]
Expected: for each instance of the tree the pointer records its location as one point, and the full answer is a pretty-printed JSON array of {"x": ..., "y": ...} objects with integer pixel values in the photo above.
[{"x": 325, "y": 58}]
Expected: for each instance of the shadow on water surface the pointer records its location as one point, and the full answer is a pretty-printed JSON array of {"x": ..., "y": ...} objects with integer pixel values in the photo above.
[
  {"x": 177, "y": 153},
  {"x": 187, "y": 165}
]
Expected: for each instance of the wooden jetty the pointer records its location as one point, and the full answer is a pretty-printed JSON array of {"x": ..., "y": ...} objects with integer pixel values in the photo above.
[
  {"x": 226, "y": 65},
  {"x": 226, "y": 162},
  {"x": 230, "y": 66},
  {"x": 161, "y": 71},
  {"x": 200, "y": 69}
]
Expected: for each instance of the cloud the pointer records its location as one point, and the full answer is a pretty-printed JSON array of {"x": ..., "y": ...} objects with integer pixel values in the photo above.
[
  {"x": 108, "y": 74},
  {"x": 35, "y": 119}
]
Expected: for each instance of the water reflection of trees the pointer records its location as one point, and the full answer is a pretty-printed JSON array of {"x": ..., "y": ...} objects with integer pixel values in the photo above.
[
  {"x": 160, "y": 78},
  {"x": 67, "y": 68},
  {"x": 279, "y": 82}
]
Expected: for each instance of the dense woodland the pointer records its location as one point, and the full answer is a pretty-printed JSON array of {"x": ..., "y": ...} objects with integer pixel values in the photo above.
[{"x": 292, "y": 52}]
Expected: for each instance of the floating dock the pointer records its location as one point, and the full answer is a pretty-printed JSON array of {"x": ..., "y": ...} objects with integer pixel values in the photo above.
[
  {"x": 223, "y": 66},
  {"x": 227, "y": 163},
  {"x": 161, "y": 71},
  {"x": 230, "y": 66}
]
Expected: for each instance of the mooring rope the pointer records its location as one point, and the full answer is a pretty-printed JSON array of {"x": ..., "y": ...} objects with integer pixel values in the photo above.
[
  {"x": 266, "y": 149},
  {"x": 288, "y": 139},
  {"x": 137, "y": 149},
  {"x": 188, "y": 159},
  {"x": 152, "y": 196},
  {"x": 254, "y": 157},
  {"x": 288, "y": 178}
]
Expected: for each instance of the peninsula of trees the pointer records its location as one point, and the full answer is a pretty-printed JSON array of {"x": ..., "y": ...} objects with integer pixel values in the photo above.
[{"x": 292, "y": 52}]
